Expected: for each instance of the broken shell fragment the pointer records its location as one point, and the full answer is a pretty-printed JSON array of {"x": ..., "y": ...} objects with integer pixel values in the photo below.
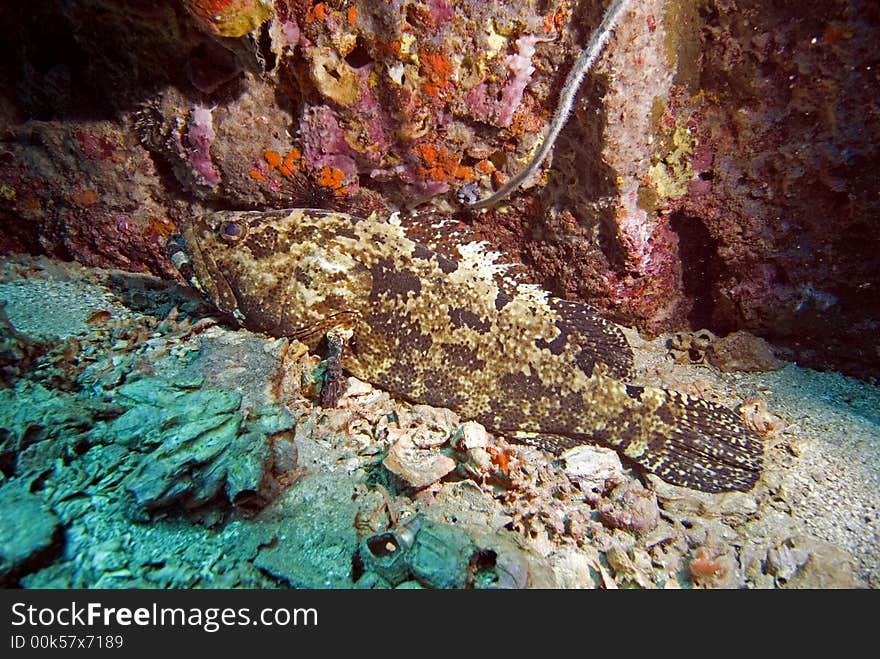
[
  {"x": 471, "y": 435},
  {"x": 417, "y": 467}
]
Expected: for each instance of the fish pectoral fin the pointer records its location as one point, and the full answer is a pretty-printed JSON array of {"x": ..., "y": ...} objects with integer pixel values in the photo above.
[{"x": 329, "y": 379}]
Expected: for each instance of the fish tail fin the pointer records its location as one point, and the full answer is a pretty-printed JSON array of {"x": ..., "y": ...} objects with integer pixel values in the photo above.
[{"x": 690, "y": 442}]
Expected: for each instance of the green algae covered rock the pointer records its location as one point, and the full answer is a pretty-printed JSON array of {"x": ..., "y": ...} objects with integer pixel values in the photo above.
[
  {"x": 198, "y": 447},
  {"x": 30, "y": 531},
  {"x": 440, "y": 555},
  {"x": 38, "y": 425},
  {"x": 310, "y": 535},
  {"x": 420, "y": 551}
]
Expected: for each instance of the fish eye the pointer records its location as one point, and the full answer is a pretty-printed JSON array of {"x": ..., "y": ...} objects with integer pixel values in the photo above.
[{"x": 232, "y": 232}]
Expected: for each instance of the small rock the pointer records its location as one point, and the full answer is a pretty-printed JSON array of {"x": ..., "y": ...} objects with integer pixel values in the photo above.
[
  {"x": 357, "y": 388},
  {"x": 804, "y": 562},
  {"x": 109, "y": 556},
  {"x": 417, "y": 467},
  {"x": 371, "y": 581},
  {"x": 634, "y": 569},
  {"x": 284, "y": 455},
  {"x": 730, "y": 507},
  {"x": 480, "y": 460},
  {"x": 511, "y": 568},
  {"x": 573, "y": 568},
  {"x": 384, "y": 554},
  {"x": 426, "y": 438},
  {"x": 436, "y": 418},
  {"x": 827, "y": 567},
  {"x": 784, "y": 560},
  {"x": 742, "y": 351},
  {"x": 410, "y": 585},
  {"x": 593, "y": 466},
  {"x": 690, "y": 347}
]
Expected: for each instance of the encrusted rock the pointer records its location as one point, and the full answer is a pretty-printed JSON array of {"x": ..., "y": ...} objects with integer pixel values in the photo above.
[
  {"x": 438, "y": 420},
  {"x": 759, "y": 418},
  {"x": 471, "y": 435},
  {"x": 30, "y": 532},
  {"x": 229, "y": 18},
  {"x": 434, "y": 555},
  {"x": 804, "y": 562},
  {"x": 17, "y": 350},
  {"x": 198, "y": 446},
  {"x": 633, "y": 567},
  {"x": 635, "y": 509},
  {"x": 38, "y": 425},
  {"x": 593, "y": 466},
  {"x": 385, "y": 555},
  {"x": 784, "y": 560},
  {"x": 472, "y": 439},
  {"x": 309, "y": 537},
  {"x": 573, "y": 568},
  {"x": 357, "y": 388},
  {"x": 440, "y": 555},
  {"x": 512, "y": 570},
  {"x": 742, "y": 351},
  {"x": 827, "y": 567},
  {"x": 690, "y": 347},
  {"x": 730, "y": 507}
]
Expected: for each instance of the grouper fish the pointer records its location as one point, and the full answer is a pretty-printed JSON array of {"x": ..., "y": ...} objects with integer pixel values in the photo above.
[{"x": 443, "y": 332}]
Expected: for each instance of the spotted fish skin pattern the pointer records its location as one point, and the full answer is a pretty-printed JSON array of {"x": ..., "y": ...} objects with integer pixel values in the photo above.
[{"x": 442, "y": 332}]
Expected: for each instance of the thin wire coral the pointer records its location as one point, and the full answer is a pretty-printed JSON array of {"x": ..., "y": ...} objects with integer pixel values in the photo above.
[{"x": 581, "y": 67}]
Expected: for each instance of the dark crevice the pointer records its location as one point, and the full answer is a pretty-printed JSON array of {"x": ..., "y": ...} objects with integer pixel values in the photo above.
[
  {"x": 701, "y": 268},
  {"x": 359, "y": 57},
  {"x": 265, "y": 45}
]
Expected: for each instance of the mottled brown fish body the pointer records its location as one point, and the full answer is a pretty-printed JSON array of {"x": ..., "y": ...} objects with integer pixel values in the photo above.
[{"x": 442, "y": 332}]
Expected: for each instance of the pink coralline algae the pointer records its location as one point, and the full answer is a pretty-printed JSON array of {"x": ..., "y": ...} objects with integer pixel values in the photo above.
[
  {"x": 324, "y": 143},
  {"x": 441, "y": 11},
  {"x": 499, "y": 112},
  {"x": 199, "y": 136},
  {"x": 648, "y": 246}
]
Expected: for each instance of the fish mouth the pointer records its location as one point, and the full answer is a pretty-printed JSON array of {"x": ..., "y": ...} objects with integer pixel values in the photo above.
[
  {"x": 179, "y": 257},
  {"x": 200, "y": 270}
]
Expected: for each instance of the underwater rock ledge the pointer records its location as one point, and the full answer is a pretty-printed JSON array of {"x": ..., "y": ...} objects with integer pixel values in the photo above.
[{"x": 715, "y": 171}]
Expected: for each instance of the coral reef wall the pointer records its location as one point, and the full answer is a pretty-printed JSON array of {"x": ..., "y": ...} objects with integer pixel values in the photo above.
[
  {"x": 788, "y": 125},
  {"x": 716, "y": 171}
]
